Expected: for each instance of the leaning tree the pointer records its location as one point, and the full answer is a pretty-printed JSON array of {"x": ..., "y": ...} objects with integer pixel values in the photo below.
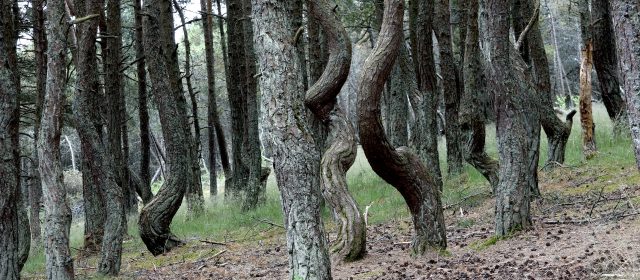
[{"x": 400, "y": 167}]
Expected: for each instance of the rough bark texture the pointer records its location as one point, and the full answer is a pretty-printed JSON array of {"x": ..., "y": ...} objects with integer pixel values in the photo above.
[
  {"x": 472, "y": 117},
  {"x": 156, "y": 216},
  {"x": 451, "y": 82},
  {"x": 143, "y": 112},
  {"x": 626, "y": 23},
  {"x": 40, "y": 49},
  {"x": 533, "y": 52},
  {"x": 295, "y": 152},
  {"x": 99, "y": 165},
  {"x": 399, "y": 167},
  {"x": 425, "y": 138},
  {"x": 605, "y": 61},
  {"x": 340, "y": 154},
  {"x": 586, "y": 63},
  {"x": 57, "y": 217},
  {"x": 242, "y": 88},
  {"x": 517, "y": 123},
  {"x": 9, "y": 146},
  {"x": 195, "y": 198}
]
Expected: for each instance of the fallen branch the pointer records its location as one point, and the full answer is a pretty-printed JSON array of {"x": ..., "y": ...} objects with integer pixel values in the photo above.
[
  {"x": 213, "y": 242},
  {"x": 449, "y": 206},
  {"x": 269, "y": 222}
]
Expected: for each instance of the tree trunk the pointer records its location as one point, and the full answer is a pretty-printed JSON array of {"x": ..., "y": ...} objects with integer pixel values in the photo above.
[
  {"x": 195, "y": 199},
  {"x": 605, "y": 61},
  {"x": 518, "y": 125},
  {"x": 59, "y": 264},
  {"x": 586, "y": 112},
  {"x": 450, "y": 82},
  {"x": 143, "y": 112},
  {"x": 295, "y": 152},
  {"x": 160, "y": 54},
  {"x": 10, "y": 239},
  {"x": 220, "y": 134},
  {"x": 350, "y": 244},
  {"x": 399, "y": 167},
  {"x": 425, "y": 140},
  {"x": 241, "y": 84},
  {"x": 472, "y": 117},
  {"x": 626, "y": 22}
]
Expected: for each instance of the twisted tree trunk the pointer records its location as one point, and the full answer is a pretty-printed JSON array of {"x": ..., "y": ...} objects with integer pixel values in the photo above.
[
  {"x": 341, "y": 145},
  {"x": 399, "y": 167}
]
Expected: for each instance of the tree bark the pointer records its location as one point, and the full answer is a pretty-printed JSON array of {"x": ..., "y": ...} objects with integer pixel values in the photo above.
[
  {"x": 220, "y": 134},
  {"x": 350, "y": 244},
  {"x": 143, "y": 112},
  {"x": 517, "y": 125},
  {"x": 160, "y": 53},
  {"x": 586, "y": 113},
  {"x": 195, "y": 199},
  {"x": 605, "y": 61},
  {"x": 425, "y": 140},
  {"x": 10, "y": 239},
  {"x": 451, "y": 82},
  {"x": 626, "y": 23},
  {"x": 295, "y": 152},
  {"x": 59, "y": 264},
  {"x": 472, "y": 117},
  {"x": 399, "y": 167}
]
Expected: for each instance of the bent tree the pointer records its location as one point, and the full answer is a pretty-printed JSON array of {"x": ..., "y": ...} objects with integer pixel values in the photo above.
[
  {"x": 517, "y": 125},
  {"x": 160, "y": 54},
  {"x": 626, "y": 22},
  {"x": 57, "y": 214},
  {"x": 341, "y": 144},
  {"x": 295, "y": 152},
  {"x": 399, "y": 167}
]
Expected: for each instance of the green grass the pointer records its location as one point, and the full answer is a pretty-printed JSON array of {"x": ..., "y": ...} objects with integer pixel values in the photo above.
[{"x": 224, "y": 222}]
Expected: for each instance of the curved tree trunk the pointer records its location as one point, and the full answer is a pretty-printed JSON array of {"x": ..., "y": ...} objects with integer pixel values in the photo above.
[
  {"x": 626, "y": 22},
  {"x": 340, "y": 154},
  {"x": 195, "y": 199},
  {"x": 605, "y": 61},
  {"x": 9, "y": 146},
  {"x": 451, "y": 82},
  {"x": 472, "y": 117},
  {"x": 517, "y": 125},
  {"x": 156, "y": 216},
  {"x": 295, "y": 152},
  {"x": 98, "y": 164},
  {"x": 57, "y": 217},
  {"x": 399, "y": 167}
]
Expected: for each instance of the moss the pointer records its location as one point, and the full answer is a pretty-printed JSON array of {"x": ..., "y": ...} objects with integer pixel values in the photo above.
[{"x": 484, "y": 244}]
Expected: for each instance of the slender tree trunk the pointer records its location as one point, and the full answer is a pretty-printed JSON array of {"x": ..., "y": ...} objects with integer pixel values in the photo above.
[
  {"x": 451, "y": 81},
  {"x": 605, "y": 61},
  {"x": 518, "y": 125},
  {"x": 626, "y": 23},
  {"x": 425, "y": 140},
  {"x": 340, "y": 154},
  {"x": 160, "y": 54},
  {"x": 10, "y": 239},
  {"x": 399, "y": 167},
  {"x": 586, "y": 112},
  {"x": 472, "y": 117},
  {"x": 560, "y": 69},
  {"x": 143, "y": 111},
  {"x": 295, "y": 152},
  {"x": 59, "y": 264},
  {"x": 220, "y": 134},
  {"x": 195, "y": 199}
]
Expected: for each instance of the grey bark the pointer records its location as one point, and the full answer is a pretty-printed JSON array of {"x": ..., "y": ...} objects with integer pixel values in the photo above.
[
  {"x": 451, "y": 83},
  {"x": 10, "y": 237},
  {"x": 295, "y": 152},
  {"x": 160, "y": 53},
  {"x": 57, "y": 221},
  {"x": 626, "y": 24},
  {"x": 399, "y": 167},
  {"x": 518, "y": 126},
  {"x": 472, "y": 117},
  {"x": 605, "y": 61}
]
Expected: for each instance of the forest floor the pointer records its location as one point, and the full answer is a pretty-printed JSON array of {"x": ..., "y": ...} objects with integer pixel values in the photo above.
[{"x": 586, "y": 225}]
